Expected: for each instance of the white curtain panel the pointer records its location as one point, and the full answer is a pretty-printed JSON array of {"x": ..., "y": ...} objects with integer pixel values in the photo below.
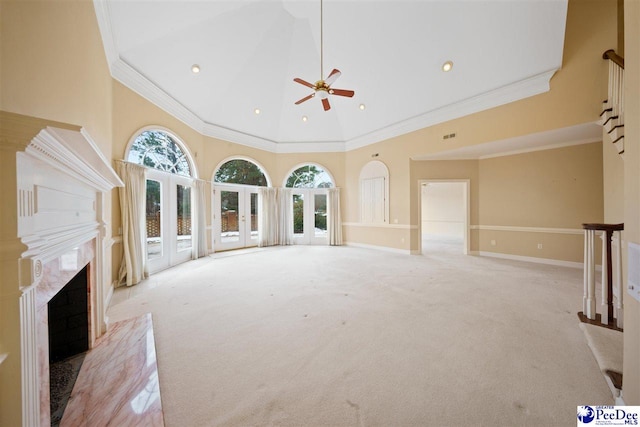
[
  {"x": 275, "y": 223},
  {"x": 267, "y": 221},
  {"x": 335, "y": 221},
  {"x": 285, "y": 228},
  {"x": 200, "y": 247},
  {"x": 134, "y": 234}
]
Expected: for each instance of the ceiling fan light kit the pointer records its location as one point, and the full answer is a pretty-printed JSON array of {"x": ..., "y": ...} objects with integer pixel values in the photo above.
[{"x": 322, "y": 88}]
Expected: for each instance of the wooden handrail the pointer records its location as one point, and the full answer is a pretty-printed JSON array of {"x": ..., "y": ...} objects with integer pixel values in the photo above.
[
  {"x": 603, "y": 227},
  {"x": 612, "y": 55}
]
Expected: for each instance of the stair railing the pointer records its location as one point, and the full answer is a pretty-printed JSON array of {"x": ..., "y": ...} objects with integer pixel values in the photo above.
[
  {"x": 610, "y": 315},
  {"x": 612, "y": 116}
]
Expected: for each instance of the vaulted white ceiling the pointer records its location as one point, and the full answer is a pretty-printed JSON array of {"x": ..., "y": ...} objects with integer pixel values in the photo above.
[{"x": 389, "y": 52}]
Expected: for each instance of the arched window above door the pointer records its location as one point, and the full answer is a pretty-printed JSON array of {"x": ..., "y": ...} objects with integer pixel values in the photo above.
[
  {"x": 240, "y": 171},
  {"x": 309, "y": 176},
  {"x": 169, "y": 194},
  {"x": 158, "y": 149}
]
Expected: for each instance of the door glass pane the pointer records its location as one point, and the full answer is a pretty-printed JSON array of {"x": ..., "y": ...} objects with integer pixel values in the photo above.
[
  {"x": 320, "y": 213},
  {"x": 254, "y": 216},
  {"x": 184, "y": 217},
  {"x": 229, "y": 230},
  {"x": 298, "y": 214},
  {"x": 154, "y": 217}
]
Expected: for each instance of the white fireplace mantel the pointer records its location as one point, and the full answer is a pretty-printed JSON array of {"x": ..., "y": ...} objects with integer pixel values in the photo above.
[
  {"x": 62, "y": 181},
  {"x": 62, "y": 201}
]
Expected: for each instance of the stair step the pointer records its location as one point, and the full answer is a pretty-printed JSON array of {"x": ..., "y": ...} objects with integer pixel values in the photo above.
[
  {"x": 607, "y": 347},
  {"x": 616, "y": 132},
  {"x": 610, "y": 123},
  {"x": 604, "y": 116},
  {"x": 118, "y": 382},
  {"x": 619, "y": 143}
]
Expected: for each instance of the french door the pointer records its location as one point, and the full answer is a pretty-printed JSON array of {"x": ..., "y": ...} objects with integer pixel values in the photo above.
[
  {"x": 309, "y": 216},
  {"x": 235, "y": 217},
  {"x": 168, "y": 220}
]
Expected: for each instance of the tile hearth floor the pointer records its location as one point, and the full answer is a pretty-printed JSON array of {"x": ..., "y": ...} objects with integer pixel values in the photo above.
[
  {"x": 63, "y": 377},
  {"x": 118, "y": 381}
]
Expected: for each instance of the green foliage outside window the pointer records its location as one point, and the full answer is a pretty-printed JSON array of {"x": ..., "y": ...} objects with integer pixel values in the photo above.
[{"x": 239, "y": 171}]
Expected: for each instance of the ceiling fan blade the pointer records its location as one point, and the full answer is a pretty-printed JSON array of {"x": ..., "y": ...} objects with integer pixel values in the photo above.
[
  {"x": 325, "y": 104},
  {"x": 302, "y": 82},
  {"x": 342, "y": 92},
  {"x": 332, "y": 77},
  {"x": 305, "y": 98}
]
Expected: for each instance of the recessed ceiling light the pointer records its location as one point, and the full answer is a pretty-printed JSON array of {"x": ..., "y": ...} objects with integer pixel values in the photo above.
[
  {"x": 362, "y": 106},
  {"x": 195, "y": 68},
  {"x": 447, "y": 66},
  {"x": 304, "y": 118},
  {"x": 257, "y": 111}
]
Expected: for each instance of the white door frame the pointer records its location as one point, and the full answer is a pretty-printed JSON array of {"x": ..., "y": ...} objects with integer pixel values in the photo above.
[
  {"x": 169, "y": 217},
  {"x": 309, "y": 237},
  {"x": 467, "y": 210},
  {"x": 245, "y": 239}
]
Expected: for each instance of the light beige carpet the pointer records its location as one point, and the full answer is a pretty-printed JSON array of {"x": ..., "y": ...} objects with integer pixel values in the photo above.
[{"x": 343, "y": 336}]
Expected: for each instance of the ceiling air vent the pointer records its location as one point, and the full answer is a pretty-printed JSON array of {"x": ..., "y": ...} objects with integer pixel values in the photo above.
[{"x": 449, "y": 136}]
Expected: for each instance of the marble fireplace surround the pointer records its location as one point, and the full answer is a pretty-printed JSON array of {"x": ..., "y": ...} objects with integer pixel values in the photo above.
[
  {"x": 64, "y": 189},
  {"x": 56, "y": 274}
]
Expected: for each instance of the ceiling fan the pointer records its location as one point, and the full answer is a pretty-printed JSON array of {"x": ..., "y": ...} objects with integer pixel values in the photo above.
[{"x": 322, "y": 88}]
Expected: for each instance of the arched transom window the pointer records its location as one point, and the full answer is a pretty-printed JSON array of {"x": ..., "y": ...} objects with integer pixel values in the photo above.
[
  {"x": 309, "y": 176},
  {"x": 240, "y": 171},
  {"x": 158, "y": 150}
]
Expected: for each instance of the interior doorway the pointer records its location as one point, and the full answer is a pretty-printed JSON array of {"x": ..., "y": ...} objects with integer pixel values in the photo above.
[{"x": 444, "y": 216}]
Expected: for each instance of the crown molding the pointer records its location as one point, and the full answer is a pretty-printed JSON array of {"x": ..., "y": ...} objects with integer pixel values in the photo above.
[
  {"x": 542, "y": 148},
  {"x": 131, "y": 78},
  {"x": 310, "y": 147},
  {"x": 534, "y": 85}
]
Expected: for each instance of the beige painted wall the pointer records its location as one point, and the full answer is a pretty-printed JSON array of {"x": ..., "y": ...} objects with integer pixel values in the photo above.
[
  {"x": 552, "y": 188},
  {"x": 576, "y": 94},
  {"x": 631, "y": 384},
  {"x": 613, "y": 184},
  {"x": 54, "y": 67}
]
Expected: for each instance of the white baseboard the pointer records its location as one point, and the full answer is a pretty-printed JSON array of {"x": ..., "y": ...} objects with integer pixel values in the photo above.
[
  {"x": 380, "y": 248},
  {"x": 532, "y": 259}
]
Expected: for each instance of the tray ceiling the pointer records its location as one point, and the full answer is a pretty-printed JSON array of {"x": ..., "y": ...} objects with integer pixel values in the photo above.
[{"x": 390, "y": 52}]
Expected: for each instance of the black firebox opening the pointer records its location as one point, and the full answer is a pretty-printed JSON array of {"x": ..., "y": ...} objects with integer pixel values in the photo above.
[{"x": 69, "y": 319}]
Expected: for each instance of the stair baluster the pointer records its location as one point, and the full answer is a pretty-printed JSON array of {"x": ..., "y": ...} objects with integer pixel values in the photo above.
[{"x": 610, "y": 315}]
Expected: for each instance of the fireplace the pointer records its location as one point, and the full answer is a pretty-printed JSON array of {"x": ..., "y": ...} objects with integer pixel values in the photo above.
[
  {"x": 55, "y": 225},
  {"x": 68, "y": 319},
  {"x": 64, "y": 313}
]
